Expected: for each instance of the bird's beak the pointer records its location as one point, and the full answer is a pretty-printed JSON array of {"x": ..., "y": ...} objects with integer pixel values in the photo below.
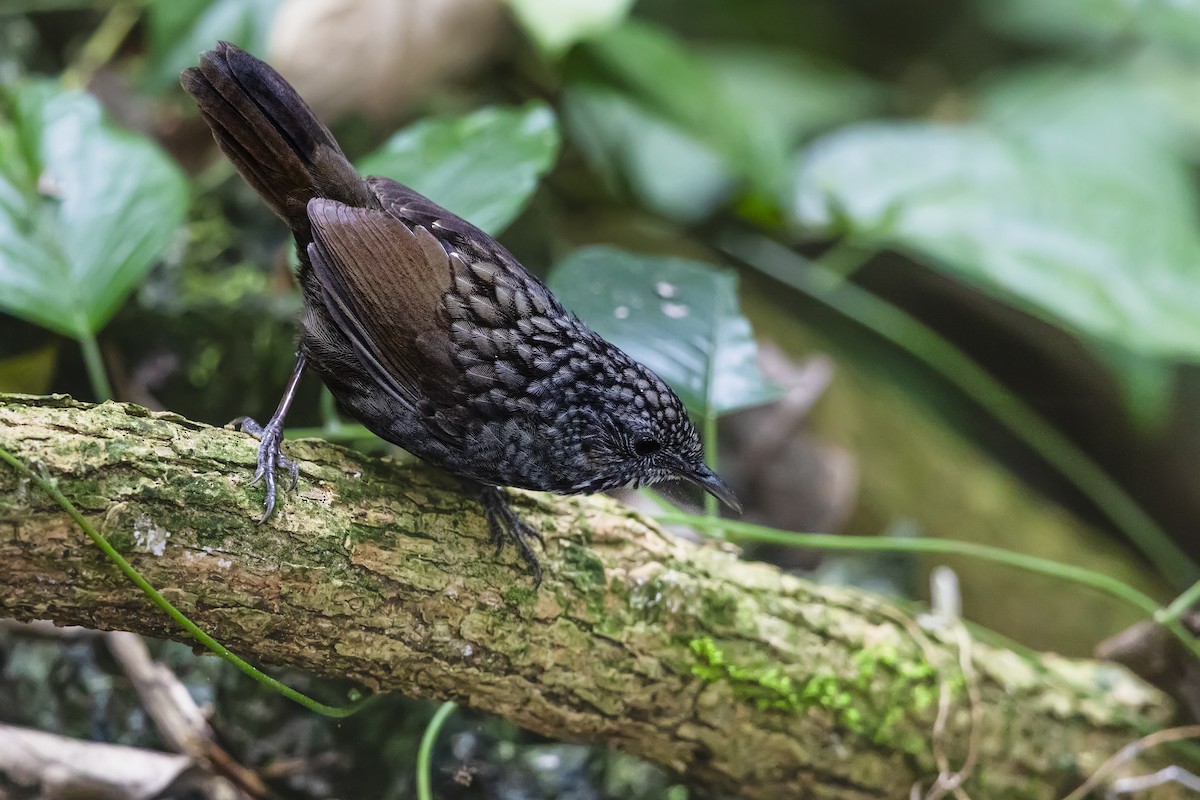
[{"x": 710, "y": 482}]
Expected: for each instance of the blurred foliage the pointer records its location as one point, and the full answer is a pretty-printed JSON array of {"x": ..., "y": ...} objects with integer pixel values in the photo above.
[
  {"x": 483, "y": 166},
  {"x": 1108, "y": 252},
  {"x": 177, "y": 32},
  {"x": 555, "y": 25},
  {"x": 740, "y": 115},
  {"x": 1100, "y": 22},
  {"x": 678, "y": 317},
  {"x": 1019, "y": 176},
  {"x": 29, "y": 373}
]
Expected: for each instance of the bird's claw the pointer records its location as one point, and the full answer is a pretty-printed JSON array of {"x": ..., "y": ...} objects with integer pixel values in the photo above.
[
  {"x": 504, "y": 524},
  {"x": 270, "y": 457}
]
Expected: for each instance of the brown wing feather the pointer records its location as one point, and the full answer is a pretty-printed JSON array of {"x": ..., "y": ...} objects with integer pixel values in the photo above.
[
  {"x": 383, "y": 284},
  {"x": 475, "y": 248}
]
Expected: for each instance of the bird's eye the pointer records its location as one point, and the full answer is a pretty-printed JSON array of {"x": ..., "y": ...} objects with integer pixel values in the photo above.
[{"x": 646, "y": 447}]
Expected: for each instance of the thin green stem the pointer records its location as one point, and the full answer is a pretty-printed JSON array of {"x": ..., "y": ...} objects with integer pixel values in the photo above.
[
  {"x": 345, "y": 433},
  {"x": 12, "y": 8},
  {"x": 49, "y": 487},
  {"x": 747, "y": 532},
  {"x": 841, "y": 262},
  {"x": 708, "y": 431},
  {"x": 653, "y": 496},
  {"x": 425, "y": 751},
  {"x": 956, "y": 367},
  {"x": 94, "y": 363},
  {"x": 711, "y": 509},
  {"x": 99, "y": 49},
  {"x": 1180, "y": 605},
  {"x": 330, "y": 419}
]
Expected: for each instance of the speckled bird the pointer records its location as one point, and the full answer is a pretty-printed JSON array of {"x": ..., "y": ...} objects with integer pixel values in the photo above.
[{"x": 428, "y": 332}]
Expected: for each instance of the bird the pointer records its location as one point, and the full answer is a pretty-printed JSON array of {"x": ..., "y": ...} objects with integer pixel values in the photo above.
[{"x": 430, "y": 333}]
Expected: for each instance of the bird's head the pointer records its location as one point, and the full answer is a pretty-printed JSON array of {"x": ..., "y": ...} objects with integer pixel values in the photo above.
[{"x": 637, "y": 433}]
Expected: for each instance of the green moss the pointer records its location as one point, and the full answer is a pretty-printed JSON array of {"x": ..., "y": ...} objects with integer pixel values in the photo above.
[
  {"x": 117, "y": 449},
  {"x": 188, "y": 491},
  {"x": 121, "y": 539},
  {"x": 874, "y": 702},
  {"x": 357, "y": 532},
  {"x": 650, "y": 599},
  {"x": 922, "y": 697},
  {"x": 519, "y": 596},
  {"x": 585, "y": 570},
  {"x": 583, "y": 567},
  {"x": 718, "y": 609},
  {"x": 766, "y": 689},
  {"x": 351, "y": 491}
]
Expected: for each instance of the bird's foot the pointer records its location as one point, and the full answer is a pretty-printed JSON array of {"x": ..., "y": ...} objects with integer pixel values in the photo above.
[
  {"x": 270, "y": 457},
  {"x": 505, "y": 524}
]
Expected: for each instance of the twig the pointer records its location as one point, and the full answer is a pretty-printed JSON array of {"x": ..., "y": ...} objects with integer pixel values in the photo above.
[
  {"x": 947, "y": 605},
  {"x": 1140, "y": 783},
  {"x": 176, "y": 716},
  {"x": 1131, "y": 751},
  {"x": 58, "y": 766}
]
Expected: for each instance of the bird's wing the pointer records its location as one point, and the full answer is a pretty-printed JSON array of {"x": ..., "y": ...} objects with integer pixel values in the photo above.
[
  {"x": 441, "y": 314},
  {"x": 382, "y": 283},
  {"x": 474, "y": 246}
]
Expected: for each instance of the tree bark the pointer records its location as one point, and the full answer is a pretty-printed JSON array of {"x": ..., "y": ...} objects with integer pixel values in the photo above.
[{"x": 740, "y": 676}]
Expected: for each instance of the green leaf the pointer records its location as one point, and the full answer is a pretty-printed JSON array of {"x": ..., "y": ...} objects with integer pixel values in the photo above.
[
  {"x": 85, "y": 209},
  {"x": 1107, "y": 117},
  {"x": 780, "y": 98},
  {"x": 662, "y": 74},
  {"x": 483, "y": 166},
  {"x": 669, "y": 171},
  {"x": 1095, "y": 22},
  {"x": 685, "y": 125},
  {"x": 555, "y": 25},
  {"x": 1136, "y": 121},
  {"x": 1108, "y": 251},
  {"x": 178, "y": 32},
  {"x": 1146, "y": 387},
  {"x": 678, "y": 317}
]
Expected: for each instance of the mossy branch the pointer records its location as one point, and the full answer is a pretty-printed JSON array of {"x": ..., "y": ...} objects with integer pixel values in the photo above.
[{"x": 734, "y": 673}]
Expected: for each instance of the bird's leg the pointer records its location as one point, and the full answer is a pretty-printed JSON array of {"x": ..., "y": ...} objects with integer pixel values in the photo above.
[
  {"x": 505, "y": 524},
  {"x": 270, "y": 446}
]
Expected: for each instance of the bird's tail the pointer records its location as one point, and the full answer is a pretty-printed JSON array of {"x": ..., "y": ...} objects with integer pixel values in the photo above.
[{"x": 272, "y": 136}]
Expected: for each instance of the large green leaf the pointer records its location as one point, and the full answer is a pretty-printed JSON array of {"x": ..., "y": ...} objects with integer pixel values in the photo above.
[
  {"x": 1092, "y": 22},
  {"x": 680, "y": 318},
  {"x": 686, "y": 126},
  {"x": 555, "y": 25},
  {"x": 483, "y": 166},
  {"x": 1107, "y": 247},
  {"x": 669, "y": 171},
  {"x": 660, "y": 72},
  {"x": 85, "y": 209},
  {"x": 1108, "y": 120},
  {"x": 779, "y": 98},
  {"x": 179, "y": 31}
]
